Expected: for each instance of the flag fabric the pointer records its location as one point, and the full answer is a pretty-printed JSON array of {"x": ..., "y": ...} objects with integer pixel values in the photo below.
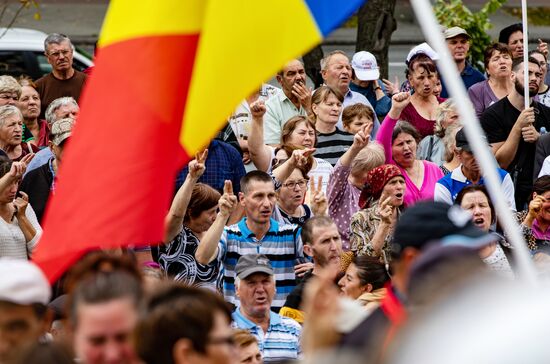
[{"x": 167, "y": 75}]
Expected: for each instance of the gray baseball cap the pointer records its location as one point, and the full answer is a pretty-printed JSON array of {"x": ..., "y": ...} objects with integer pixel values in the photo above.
[{"x": 253, "y": 263}]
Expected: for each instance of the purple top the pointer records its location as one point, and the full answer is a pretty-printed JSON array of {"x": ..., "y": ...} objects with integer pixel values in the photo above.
[
  {"x": 432, "y": 173},
  {"x": 424, "y": 126},
  {"x": 482, "y": 96},
  {"x": 343, "y": 201},
  {"x": 538, "y": 233}
]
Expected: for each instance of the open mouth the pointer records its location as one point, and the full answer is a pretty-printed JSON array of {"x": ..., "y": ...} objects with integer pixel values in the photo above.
[
  {"x": 399, "y": 195},
  {"x": 479, "y": 222},
  {"x": 261, "y": 300}
]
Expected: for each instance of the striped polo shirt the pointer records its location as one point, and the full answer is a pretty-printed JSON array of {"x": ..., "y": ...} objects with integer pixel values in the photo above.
[
  {"x": 331, "y": 146},
  {"x": 280, "y": 342},
  {"x": 282, "y": 245}
]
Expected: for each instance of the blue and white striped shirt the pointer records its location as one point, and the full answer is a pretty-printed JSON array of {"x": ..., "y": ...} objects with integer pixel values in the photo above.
[
  {"x": 280, "y": 342},
  {"x": 282, "y": 245}
]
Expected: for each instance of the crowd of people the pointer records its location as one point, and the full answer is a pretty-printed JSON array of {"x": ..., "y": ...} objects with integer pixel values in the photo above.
[{"x": 317, "y": 220}]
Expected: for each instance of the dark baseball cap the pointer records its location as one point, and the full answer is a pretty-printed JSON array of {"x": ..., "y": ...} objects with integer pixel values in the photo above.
[
  {"x": 430, "y": 221},
  {"x": 253, "y": 263},
  {"x": 462, "y": 141}
]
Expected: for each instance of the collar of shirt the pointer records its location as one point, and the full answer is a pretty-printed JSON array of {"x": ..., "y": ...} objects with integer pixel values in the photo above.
[
  {"x": 243, "y": 322},
  {"x": 273, "y": 227}
]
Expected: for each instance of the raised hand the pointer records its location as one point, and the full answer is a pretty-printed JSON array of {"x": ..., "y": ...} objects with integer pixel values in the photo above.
[
  {"x": 386, "y": 210},
  {"x": 257, "y": 108},
  {"x": 303, "y": 93},
  {"x": 543, "y": 48},
  {"x": 391, "y": 88},
  {"x": 317, "y": 199},
  {"x": 228, "y": 201},
  {"x": 362, "y": 137},
  {"x": 197, "y": 165},
  {"x": 535, "y": 206},
  {"x": 300, "y": 157},
  {"x": 20, "y": 204}
]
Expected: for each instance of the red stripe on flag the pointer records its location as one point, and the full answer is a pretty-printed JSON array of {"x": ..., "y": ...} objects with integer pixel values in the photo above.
[{"x": 117, "y": 176}]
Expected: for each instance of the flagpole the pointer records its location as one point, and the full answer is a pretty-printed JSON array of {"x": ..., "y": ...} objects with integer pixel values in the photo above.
[
  {"x": 526, "y": 97},
  {"x": 472, "y": 128}
]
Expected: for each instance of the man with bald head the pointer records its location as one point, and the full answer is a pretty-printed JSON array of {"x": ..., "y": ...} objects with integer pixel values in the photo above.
[
  {"x": 336, "y": 73},
  {"x": 295, "y": 99}
]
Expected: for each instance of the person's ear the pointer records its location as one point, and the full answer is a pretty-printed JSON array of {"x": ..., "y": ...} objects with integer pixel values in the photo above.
[
  {"x": 367, "y": 288},
  {"x": 183, "y": 352},
  {"x": 308, "y": 250},
  {"x": 314, "y": 108},
  {"x": 241, "y": 198}
]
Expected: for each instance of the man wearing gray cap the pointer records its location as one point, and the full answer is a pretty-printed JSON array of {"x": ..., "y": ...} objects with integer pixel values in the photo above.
[
  {"x": 24, "y": 318},
  {"x": 458, "y": 42},
  {"x": 39, "y": 182},
  {"x": 278, "y": 337}
]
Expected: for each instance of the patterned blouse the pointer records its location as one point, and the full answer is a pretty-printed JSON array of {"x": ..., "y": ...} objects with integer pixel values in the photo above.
[
  {"x": 177, "y": 259},
  {"x": 363, "y": 226}
]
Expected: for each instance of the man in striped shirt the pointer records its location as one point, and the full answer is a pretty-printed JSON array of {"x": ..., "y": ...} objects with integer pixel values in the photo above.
[
  {"x": 256, "y": 233},
  {"x": 278, "y": 337}
]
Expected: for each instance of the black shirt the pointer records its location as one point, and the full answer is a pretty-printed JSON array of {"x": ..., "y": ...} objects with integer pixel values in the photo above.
[
  {"x": 497, "y": 121},
  {"x": 37, "y": 184}
]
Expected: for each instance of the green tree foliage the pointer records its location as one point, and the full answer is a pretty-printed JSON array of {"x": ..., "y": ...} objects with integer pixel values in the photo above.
[{"x": 452, "y": 13}]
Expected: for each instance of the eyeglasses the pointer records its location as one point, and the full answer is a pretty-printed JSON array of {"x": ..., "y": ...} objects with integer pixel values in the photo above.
[
  {"x": 9, "y": 97},
  {"x": 300, "y": 183},
  {"x": 65, "y": 53},
  {"x": 222, "y": 341}
]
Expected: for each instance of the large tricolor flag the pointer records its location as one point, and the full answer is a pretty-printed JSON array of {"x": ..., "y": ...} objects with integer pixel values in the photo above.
[{"x": 167, "y": 75}]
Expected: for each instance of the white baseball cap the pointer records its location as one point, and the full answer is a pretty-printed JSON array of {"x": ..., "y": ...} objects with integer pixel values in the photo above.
[
  {"x": 423, "y": 48},
  {"x": 365, "y": 66},
  {"x": 23, "y": 282}
]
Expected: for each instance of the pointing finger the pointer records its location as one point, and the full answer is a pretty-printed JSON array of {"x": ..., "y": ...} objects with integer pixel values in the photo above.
[{"x": 228, "y": 187}]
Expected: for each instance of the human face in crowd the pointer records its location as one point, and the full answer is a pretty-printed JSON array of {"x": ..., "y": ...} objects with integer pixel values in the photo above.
[
  {"x": 499, "y": 65},
  {"x": 437, "y": 87},
  {"x": 422, "y": 81},
  {"x": 103, "y": 332},
  {"x": 60, "y": 56},
  {"x": 515, "y": 43},
  {"x": 544, "y": 214},
  {"x": 476, "y": 203},
  {"x": 404, "y": 150},
  {"x": 256, "y": 293},
  {"x": 67, "y": 111},
  {"x": 8, "y": 98},
  {"x": 8, "y": 194},
  {"x": 11, "y": 131},
  {"x": 250, "y": 354},
  {"x": 29, "y": 103},
  {"x": 535, "y": 79},
  {"x": 357, "y": 124},
  {"x": 57, "y": 150},
  {"x": 469, "y": 162},
  {"x": 459, "y": 47},
  {"x": 205, "y": 219},
  {"x": 452, "y": 118},
  {"x": 542, "y": 62},
  {"x": 395, "y": 188},
  {"x": 219, "y": 349},
  {"x": 259, "y": 201},
  {"x": 292, "y": 73},
  {"x": 350, "y": 284},
  {"x": 338, "y": 73},
  {"x": 328, "y": 111},
  {"x": 326, "y": 246},
  {"x": 303, "y": 135},
  {"x": 19, "y": 327},
  {"x": 292, "y": 192}
]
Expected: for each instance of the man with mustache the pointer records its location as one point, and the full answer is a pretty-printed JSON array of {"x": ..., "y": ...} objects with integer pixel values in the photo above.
[
  {"x": 64, "y": 80},
  {"x": 513, "y": 130},
  {"x": 295, "y": 99},
  {"x": 278, "y": 337}
]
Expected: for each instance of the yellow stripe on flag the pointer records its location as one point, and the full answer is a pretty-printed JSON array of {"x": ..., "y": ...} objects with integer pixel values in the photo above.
[
  {"x": 241, "y": 44},
  {"x": 127, "y": 19}
]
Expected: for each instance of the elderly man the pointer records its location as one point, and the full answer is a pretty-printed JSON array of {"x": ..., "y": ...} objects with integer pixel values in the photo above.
[
  {"x": 278, "y": 337},
  {"x": 257, "y": 232},
  {"x": 458, "y": 42},
  {"x": 513, "y": 130},
  {"x": 64, "y": 80},
  {"x": 336, "y": 71},
  {"x": 24, "y": 318},
  {"x": 103, "y": 314},
  {"x": 295, "y": 99},
  {"x": 10, "y": 90},
  {"x": 61, "y": 108},
  {"x": 39, "y": 182},
  {"x": 185, "y": 325},
  {"x": 322, "y": 242}
]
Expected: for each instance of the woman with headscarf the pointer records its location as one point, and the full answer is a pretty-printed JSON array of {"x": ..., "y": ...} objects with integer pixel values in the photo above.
[{"x": 380, "y": 202}]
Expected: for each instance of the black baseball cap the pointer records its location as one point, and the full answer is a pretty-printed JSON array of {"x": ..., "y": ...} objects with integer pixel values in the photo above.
[{"x": 430, "y": 221}]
